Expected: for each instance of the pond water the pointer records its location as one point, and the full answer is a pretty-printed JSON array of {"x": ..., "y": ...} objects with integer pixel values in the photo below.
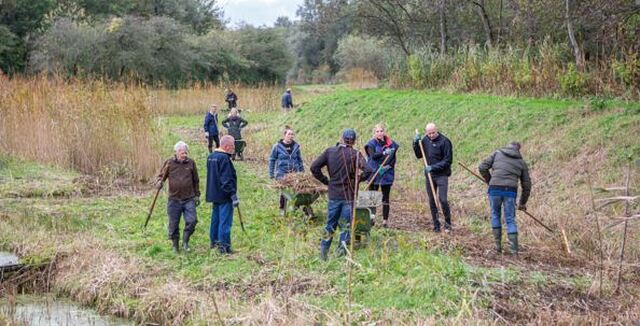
[{"x": 52, "y": 311}]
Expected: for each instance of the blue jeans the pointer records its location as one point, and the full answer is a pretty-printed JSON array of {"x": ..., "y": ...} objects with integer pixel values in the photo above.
[
  {"x": 175, "y": 208},
  {"x": 509, "y": 204},
  {"x": 338, "y": 215},
  {"x": 220, "y": 230}
]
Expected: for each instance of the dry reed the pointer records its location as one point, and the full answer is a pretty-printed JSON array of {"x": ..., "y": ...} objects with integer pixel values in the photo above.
[{"x": 86, "y": 125}]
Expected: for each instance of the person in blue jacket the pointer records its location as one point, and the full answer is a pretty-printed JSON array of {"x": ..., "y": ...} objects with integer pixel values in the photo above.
[
  {"x": 285, "y": 158},
  {"x": 211, "y": 127},
  {"x": 381, "y": 149},
  {"x": 287, "y": 100},
  {"x": 222, "y": 187}
]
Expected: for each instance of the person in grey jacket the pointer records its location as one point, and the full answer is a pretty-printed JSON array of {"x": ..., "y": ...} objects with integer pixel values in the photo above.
[{"x": 507, "y": 168}]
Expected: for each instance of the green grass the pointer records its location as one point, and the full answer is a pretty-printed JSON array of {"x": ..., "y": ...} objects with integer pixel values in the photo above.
[{"x": 397, "y": 271}]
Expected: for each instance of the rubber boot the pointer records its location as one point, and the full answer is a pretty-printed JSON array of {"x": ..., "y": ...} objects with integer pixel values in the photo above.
[
  {"x": 324, "y": 252},
  {"x": 497, "y": 236},
  {"x": 185, "y": 242},
  {"x": 175, "y": 245},
  {"x": 513, "y": 242}
]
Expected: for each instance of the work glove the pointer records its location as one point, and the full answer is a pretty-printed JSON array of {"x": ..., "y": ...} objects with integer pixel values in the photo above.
[
  {"x": 206, "y": 134},
  {"x": 197, "y": 201},
  {"x": 417, "y": 139},
  {"x": 383, "y": 169},
  {"x": 235, "y": 200},
  {"x": 428, "y": 169},
  {"x": 388, "y": 151},
  {"x": 522, "y": 207}
]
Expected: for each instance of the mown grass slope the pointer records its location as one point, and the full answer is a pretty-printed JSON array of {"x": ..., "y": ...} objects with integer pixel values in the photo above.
[{"x": 407, "y": 276}]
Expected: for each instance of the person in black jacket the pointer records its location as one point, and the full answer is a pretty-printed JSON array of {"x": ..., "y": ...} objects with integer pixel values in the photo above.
[
  {"x": 231, "y": 98},
  {"x": 340, "y": 161},
  {"x": 211, "y": 127},
  {"x": 439, "y": 151}
]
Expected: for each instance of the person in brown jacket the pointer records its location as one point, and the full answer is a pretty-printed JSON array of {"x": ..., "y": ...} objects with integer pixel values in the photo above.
[{"x": 184, "y": 194}]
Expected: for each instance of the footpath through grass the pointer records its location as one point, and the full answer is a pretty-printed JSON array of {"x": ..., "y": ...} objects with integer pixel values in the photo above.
[{"x": 276, "y": 274}]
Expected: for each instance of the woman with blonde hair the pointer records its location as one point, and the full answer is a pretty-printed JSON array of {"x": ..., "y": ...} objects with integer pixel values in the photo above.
[{"x": 381, "y": 157}]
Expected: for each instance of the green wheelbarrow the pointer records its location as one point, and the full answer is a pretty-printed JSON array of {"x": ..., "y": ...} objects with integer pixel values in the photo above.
[
  {"x": 240, "y": 145},
  {"x": 365, "y": 214},
  {"x": 296, "y": 200}
]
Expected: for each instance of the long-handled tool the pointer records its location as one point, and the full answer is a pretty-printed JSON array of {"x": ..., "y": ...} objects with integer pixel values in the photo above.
[
  {"x": 240, "y": 217},
  {"x": 155, "y": 198},
  {"x": 426, "y": 163},
  {"x": 377, "y": 171}
]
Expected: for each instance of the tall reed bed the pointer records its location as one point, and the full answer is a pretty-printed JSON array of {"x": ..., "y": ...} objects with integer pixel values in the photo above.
[
  {"x": 90, "y": 126},
  {"x": 197, "y": 98}
]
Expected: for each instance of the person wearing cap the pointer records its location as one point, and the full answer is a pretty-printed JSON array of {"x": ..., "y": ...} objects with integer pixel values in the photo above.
[
  {"x": 222, "y": 188},
  {"x": 439, "y": 151},
  {"x": 342, "y": 162},
  {"x": 184, "y": 194},
  {"x": 287, "y": 100},
  {"x": 211, "y": 127},
  {"x": 381, "y": 149},
  {"x": 507, "y": 168}
]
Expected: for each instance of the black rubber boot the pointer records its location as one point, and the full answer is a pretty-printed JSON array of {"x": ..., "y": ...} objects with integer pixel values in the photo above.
[
  {"x": 324, "y": 252},
  {"x": 497, "y": 236},
  {"x": 175, "y": 245},
  {"x": 513, "y": 243},
  {"x": 185, "y": 242}
]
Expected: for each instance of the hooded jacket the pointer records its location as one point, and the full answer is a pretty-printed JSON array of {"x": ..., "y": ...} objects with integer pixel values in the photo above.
[
  {"x": 282, "y": 162},
  {"x": 234, "y": 126},
  {"x": 507, "y": 168}
]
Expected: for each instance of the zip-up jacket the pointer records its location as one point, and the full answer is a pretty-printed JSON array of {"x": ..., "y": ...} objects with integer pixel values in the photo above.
[
  {"x": 222, "y": 182},
  {"x": 184, "y": 182},
  {"x": 507, "y": 168},
  {"x": 234, "y": 126},
  {"x": 439, "y": 154},
  {"x": 283, "y": 161},
  {"x": 211, "y": 124}
]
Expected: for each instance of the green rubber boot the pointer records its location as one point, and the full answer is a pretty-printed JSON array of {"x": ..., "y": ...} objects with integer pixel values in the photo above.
[
  {"x": 513, "y": 242},
  {"x": 497, "y": 236}
]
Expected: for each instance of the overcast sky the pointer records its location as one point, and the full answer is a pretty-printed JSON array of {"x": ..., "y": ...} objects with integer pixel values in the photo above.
[{"x": 258, "y": 12}]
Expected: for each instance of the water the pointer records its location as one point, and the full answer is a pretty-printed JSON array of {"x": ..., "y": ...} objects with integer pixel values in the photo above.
[{"x": 51, "y": 311}]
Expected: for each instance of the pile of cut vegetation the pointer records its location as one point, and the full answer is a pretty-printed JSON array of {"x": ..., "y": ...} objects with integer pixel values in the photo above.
[{"x": 300, "y": 183}]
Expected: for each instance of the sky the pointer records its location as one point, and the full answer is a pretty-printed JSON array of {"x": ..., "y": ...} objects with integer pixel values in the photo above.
[{"x": 258, "y": 12}]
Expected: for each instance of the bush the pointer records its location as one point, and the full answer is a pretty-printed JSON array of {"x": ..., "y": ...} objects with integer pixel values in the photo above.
[{"x": 573, "y": 82}]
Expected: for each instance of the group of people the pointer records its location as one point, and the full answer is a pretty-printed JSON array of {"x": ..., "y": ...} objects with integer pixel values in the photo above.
[{"x": 346, "y": 167}]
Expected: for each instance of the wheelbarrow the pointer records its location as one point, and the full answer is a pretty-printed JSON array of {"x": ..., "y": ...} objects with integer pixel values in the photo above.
[
  {"x": 240, "y": 145},
  {"x": 296, "y": 200},
  {"x": 366, "y": 206}
]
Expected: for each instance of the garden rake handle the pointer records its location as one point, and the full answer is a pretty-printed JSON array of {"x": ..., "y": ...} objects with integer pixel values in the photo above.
[
  {"x": 377, "y": 171},
  {"x": 155, "y": 198},
  {"x": 426, "y": 163},
  {"x": 525, "y": 212}
]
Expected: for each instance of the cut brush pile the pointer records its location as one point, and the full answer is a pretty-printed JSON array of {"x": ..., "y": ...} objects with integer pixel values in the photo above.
[{"x": 301, "y": 183}]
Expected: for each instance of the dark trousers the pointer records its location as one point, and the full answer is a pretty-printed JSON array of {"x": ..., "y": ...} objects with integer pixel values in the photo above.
[
  {"x": 386, "y": 192},
  {"x": 441, "y": 185},
  {"x": 213, "y": 138},
  {"x": 175, "y": 208},
  {"x": 283, "y": 202}
]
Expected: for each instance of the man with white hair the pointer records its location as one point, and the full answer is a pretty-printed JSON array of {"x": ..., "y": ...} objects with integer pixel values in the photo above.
[
  {"x": 184, "y": 194},
  {"x": 439, "y": 152}
]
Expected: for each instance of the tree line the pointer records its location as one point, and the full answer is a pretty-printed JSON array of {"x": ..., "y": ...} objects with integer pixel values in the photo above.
[{"x": 535, "y": 47}]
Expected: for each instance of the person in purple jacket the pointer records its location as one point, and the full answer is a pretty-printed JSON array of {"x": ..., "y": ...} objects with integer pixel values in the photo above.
[{"x": 381, "y": 149}]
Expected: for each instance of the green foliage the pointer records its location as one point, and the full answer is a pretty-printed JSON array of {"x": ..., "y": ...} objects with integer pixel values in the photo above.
[
  {"x": 573, "y": 82},
  {"x": 361, "y": 52},
  {"x": 11, "y": 51}
]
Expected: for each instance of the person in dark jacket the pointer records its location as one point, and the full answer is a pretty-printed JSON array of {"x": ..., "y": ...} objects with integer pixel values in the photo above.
[
  {"x": 507, "y": 168},
  {"x": 287, "y": 100},
  {"x": 211, "y": 127},
  {"x": 234, "y": 124},
  {"x": 184, "y": 194},
  {"x": 381, "y": 149},
  {"x": 340, "y": 161},
  {"x": 439, "y": 151},
  {"x": 231, "y": 98},
  {"x": 222, "y": 187},
  {"x": 285, "y": 158}
]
